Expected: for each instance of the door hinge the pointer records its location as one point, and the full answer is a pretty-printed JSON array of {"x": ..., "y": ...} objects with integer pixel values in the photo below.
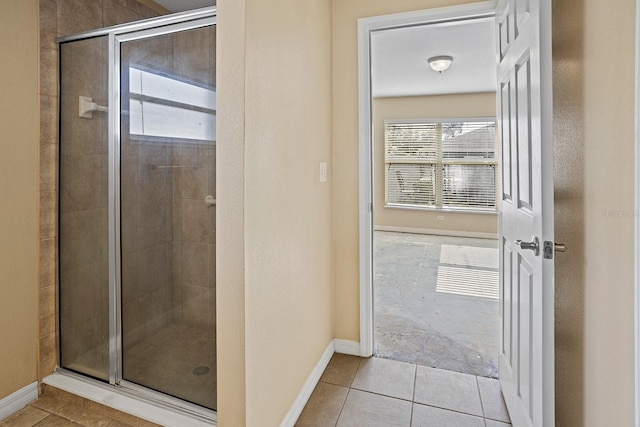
[{"x": 370, "y": 207}]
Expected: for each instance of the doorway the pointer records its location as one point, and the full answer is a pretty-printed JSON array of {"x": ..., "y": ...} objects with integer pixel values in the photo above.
[
  {"x": 435, "y": 256},
  {"x": 526, "y": 261},
  {"x": 137, "y": 209}
]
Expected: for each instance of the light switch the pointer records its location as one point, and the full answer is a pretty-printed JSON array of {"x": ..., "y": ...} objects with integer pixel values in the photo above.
[{"x": 323, "y": 171}]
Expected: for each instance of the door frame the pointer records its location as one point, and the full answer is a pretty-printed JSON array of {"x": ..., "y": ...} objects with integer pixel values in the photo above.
[
  {"x": 636, "y": 239},
  {"x": 366, "y": 26}
]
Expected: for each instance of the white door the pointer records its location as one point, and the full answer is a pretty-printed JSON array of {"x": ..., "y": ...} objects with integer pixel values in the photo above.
[{"x": 526, "y": 219}]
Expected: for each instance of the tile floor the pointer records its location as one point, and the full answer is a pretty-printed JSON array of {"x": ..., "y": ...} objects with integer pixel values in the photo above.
[
  {"x": 56, "y": 408},
  {"x": 378, "y": 392},
  {"x": 435, "y": 301}
]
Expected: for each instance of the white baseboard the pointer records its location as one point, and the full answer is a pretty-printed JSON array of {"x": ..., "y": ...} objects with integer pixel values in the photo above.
[
  {"x": 453, "y": 233},
  {"x": 347, "y": 347},
  {"x": 18, "y": 400},
  {"x": 308, "y": 387}
]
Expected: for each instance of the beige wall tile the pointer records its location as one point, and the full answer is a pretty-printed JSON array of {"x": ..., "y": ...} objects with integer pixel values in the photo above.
[
  {"x": 76, "y": 16},
  {"x": 47, "y": 325},
  {"x": 48, "y": 119},
  {"x": 49, "y": 73},
  {"x": 141, "y": 10},
  {"x": 47, "y": 297},
  {"x": 198, "y": 306},
  {"x": 48, "y": 25},
  {"x": 82, "y": 242},
  {"x": 192, "y": 182},
  {"x": 48, "y": 355},
  {"x": 47, "y": 274},
  {"x": 195, "y": 221},
  {"x": 48, "y": 214},
  {"x": 48, "y": 167},
  {"x": 80, "y": 299},
  {"x": 115, "y": 14},
  {"x": 81, "y": 183},
  {"x": 195, "y": 269}
]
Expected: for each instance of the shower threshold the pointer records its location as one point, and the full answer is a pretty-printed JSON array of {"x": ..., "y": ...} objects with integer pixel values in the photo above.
[{"x": 134, "y": 400}]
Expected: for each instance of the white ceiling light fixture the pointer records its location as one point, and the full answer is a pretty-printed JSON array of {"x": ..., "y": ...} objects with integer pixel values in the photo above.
[{"x": 440, "y": 63}]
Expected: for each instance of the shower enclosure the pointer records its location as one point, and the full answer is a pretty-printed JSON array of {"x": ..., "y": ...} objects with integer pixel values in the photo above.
[{"x": 137, "y": 210}]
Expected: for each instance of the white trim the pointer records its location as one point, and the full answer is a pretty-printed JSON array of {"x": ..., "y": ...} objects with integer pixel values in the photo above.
[
  {"x": 347, "y": 347},
  {"x": 636, "y": 240},
  {"x": 365, "y": 27},
  {"x": 111, "y": 396},
  {"x": 453, "y": 233},
  {"x": 308, "y": 387},
  {"x": 18, "y": 400}
]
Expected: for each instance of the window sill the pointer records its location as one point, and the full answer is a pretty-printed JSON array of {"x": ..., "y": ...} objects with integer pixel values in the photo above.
[{"x": 447, "y": 210}]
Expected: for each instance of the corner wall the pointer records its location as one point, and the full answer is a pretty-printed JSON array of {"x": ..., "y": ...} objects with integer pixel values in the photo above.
[
  {"x": 428, "y": 107},
  {"x": 609, "y": 211},
  {"x": 274, "y": 277},
  {"x": 18, "y": 195},
  {"x": 594, "y": 196}
]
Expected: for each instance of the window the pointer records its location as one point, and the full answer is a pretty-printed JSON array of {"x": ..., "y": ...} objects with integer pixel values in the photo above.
[
  {"x": 441, "y": 164},
  {"x": 164, "y": 108}
]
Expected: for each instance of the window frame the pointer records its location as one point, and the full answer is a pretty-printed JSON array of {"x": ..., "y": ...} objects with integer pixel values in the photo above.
[
  {"x": 129, "y": 97},
  {"x": 439, "y": 166}
]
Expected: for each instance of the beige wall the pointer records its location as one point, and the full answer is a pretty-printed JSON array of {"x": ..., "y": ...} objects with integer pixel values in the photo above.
[
  {"x": 608, "y": 190},
  {"x": 278, "y": 64},
  {"x": 230, "y": 210},
  {"x": 427, "y": 107},
  {"x": 18, "y": 195}
]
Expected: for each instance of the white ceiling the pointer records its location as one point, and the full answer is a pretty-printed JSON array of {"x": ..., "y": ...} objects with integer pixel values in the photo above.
[
  {"x": 399, "y": 59},
  {"x": 182, "y": 5}
]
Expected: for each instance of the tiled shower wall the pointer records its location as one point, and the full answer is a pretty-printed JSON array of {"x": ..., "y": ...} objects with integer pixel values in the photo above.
[{"x": 58, "y": 18}]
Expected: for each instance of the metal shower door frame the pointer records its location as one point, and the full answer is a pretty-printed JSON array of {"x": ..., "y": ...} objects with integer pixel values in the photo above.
[{"x": 117, "y": 35}]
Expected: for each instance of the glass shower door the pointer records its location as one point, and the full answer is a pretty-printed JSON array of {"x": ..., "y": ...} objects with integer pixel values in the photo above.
[
  {"x": 167, "y": 213},
  {"x": 83, "y": 210}
]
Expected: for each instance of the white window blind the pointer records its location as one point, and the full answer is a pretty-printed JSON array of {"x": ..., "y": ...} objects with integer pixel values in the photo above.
[{"x": 448, "y": 165}]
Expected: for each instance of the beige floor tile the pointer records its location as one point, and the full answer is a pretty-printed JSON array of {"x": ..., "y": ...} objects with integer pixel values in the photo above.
[
  {"x": 428, "y": 416},
  {"x": 88, "y": 418},
  {"x": 110, "y": 412},
  {"x": 387, "y": 377},
  {"x": 372, "y": 410},
  {"x": 56, "y": 421},
  {"x": 448, "y": 390},
  {"x": 492, "y": 423},
  {"x": 49, "y": 403},
  {"x": 60, "y": 394},
  {"x": 341, "y": 370},
  {"x": 492, "y": 400},
  {"x": 26, "y": 417},
  {"x": 324, "y": 406}
]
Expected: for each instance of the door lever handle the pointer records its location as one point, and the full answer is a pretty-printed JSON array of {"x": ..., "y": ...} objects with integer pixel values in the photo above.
[{"x": 534, "y": 245}]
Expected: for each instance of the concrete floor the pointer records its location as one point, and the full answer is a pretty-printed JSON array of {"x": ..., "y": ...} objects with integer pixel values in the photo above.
[{"x": 436, "y": 301}]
